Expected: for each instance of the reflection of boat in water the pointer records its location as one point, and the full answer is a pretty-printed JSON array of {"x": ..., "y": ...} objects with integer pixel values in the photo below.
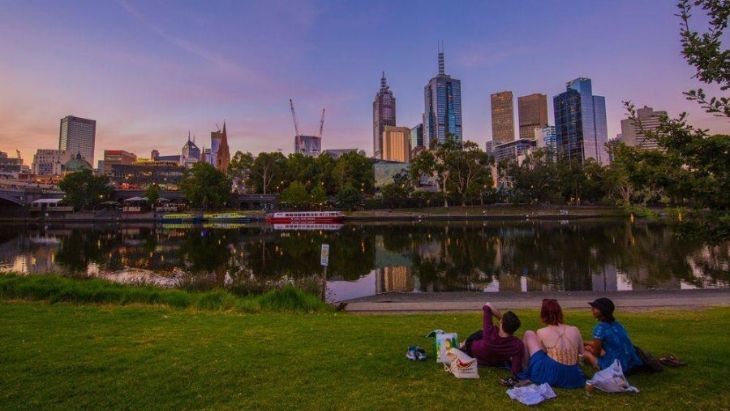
[
  {"x": 44, "y": 240},
  {"x": 304, "y": 217},
  {"x": 178, "y": 218},
  {"x": 312, "y": 227}
]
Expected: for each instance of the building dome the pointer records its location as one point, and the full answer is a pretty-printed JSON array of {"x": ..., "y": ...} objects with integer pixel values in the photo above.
[{"x": 77, "y": 163}]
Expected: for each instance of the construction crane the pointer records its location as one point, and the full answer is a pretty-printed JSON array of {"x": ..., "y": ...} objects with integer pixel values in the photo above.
[
  {"x": 321, "y": 124},
  {"x": 294, "y": 116}
]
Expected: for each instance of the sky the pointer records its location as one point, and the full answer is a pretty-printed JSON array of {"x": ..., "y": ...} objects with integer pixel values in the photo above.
[{"x": 149, "y": 71}]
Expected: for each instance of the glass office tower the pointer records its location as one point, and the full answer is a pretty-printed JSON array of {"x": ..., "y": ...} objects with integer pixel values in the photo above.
[
  {"x": 78, "y": 136},
  {"x": 442, "y": 116},
  {"x": 580, "y": 123},
  {"x": 383, "y": 115}
]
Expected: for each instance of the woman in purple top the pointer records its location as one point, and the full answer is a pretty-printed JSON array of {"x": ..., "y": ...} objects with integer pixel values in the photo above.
[{"x": 496, "y": 346}]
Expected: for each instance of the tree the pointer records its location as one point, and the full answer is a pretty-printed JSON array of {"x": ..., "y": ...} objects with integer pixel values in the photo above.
[
  {"x": 239, "y": 170},
  {"x": 318, "y": 196},
  {"x": 704, "y": 51},
  {"x": 84, "y": 190},
  {"x": 152, "y": 193},
  {"x": 355, "y": 170},
  {"x": 267, "y": 172},
  {"x": 295, "y": 195},
  {"x": 469, "y": 170},
  {"x": 349, "y": 197},
  {"x": 205, "y": 186}
]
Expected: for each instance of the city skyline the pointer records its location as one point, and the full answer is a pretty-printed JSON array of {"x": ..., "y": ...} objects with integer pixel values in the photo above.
[{"x": 148, "y": 73}]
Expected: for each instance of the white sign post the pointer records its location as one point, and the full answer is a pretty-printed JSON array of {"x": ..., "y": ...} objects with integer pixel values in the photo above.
[
  {"x": 324, "y": 260},
  {"x": 324, "y": 257}
]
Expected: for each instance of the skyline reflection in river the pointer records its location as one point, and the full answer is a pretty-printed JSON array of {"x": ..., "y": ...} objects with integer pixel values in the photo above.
[{"x": 367, "y": 259}]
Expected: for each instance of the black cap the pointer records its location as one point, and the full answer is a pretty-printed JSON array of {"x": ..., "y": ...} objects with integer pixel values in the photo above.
[{"x": 605, "y": 306}]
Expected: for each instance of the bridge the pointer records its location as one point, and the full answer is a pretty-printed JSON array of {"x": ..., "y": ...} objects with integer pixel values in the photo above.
[{"x": 21, "y": 197}]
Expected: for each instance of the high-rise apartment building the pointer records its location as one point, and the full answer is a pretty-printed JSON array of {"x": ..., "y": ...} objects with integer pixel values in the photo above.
[
  {"x": 397, "y": 144},
  {"x": 634, "y": 134},
  {"x": 580, "y": 123},
  {"x": 503, "y": 123},
  {"x": 78, "y": 136},
  {"x": 532, "y": 113},
  {"x": 383, "y": 115},
  {"x": 442, "y": 116},
  {"x": 220, "y": 154},
  {"x": 546, "y": 140}
]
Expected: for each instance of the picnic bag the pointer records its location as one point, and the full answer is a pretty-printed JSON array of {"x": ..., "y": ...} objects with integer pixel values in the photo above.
[
  {"x": 461, "y": 364},
  {"x": 441, "y": 343}
]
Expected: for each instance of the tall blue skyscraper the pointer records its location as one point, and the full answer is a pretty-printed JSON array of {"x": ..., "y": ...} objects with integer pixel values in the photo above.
[
  {"x": 580, "y": 123},
  {"x": 442, "y": 116}
]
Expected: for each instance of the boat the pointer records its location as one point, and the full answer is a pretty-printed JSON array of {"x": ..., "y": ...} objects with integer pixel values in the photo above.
[
  {"x": 308, "y": 227},
  {"x": 182, "y": 218},
  {"x": 304, "y": 217},
  {"x": 227, "y": 218}
]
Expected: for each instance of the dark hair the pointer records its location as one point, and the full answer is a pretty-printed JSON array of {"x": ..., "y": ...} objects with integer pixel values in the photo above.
[
  {"x": 606, "y": 307},
  {"x": 510, "y": 322},
  {"x": 551, "y": 313}
]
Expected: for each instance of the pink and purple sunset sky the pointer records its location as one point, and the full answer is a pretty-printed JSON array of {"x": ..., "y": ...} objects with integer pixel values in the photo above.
[{"x": 149, "y": 71}]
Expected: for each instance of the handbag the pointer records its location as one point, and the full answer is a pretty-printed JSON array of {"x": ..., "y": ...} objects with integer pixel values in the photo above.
[{"x": 461, "y": 364}]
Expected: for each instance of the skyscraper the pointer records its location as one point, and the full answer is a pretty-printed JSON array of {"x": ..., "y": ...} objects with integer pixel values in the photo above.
[
  {"x": 383, "y": 115},
  {"x": 503, "y": 123},
  {"x": 633, "y": 135},
  {"x": 442, "y": 116},
  {"x": 580, "y": 123},
  {"x": 220, "y": 154},
  {"x": 190, "y": 153},
  {"x": 78, "y": 136},
  {"x": 532, "y": 113},
  {"x": 417, "y": 137},
  {"x": 397, "y": 144}
]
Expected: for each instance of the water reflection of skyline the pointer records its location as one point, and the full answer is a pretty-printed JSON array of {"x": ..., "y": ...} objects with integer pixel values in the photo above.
[{"x": 378, "y": 258}]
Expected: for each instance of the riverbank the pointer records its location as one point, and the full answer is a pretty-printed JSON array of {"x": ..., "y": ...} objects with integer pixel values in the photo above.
[
  {"x": 133, "y": 357},
  {"x": 473, "y": 301},
  {"x": 491, "y": 212}
]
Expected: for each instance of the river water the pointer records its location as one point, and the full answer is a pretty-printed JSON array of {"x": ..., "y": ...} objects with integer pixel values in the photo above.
[{"x": 374, "y": 258}]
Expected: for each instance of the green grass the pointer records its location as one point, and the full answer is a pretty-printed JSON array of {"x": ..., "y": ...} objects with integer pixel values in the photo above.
[
  {"x": 60, "y": 356},
  {"x": 54, "y": 288}
]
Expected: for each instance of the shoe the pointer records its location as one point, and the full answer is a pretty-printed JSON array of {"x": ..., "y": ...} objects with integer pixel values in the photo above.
[
  {"x": 508, "y": 382},
  {"x": 412, "y": 353},
  {"x": 421, "y": 354}
]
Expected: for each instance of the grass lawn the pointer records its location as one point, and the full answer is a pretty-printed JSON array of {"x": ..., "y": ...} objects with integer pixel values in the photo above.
[{"x": 139, "y": 357}]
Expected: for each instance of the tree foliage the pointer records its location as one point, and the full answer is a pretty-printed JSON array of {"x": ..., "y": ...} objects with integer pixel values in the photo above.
[
  {"x": 84, "y": 190},
  {"x": 205, "y": 186},
  {"x": 704, "y": 51}
]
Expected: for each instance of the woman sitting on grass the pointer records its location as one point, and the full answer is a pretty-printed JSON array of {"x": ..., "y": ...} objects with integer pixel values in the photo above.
[
  {"x": 554, "y": 350},
  {"x": 610, "y": 340}
]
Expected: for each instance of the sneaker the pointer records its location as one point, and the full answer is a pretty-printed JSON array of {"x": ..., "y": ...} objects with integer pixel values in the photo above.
[
  {"x": 411, "y": 354},
  {"x": 421, "y": 354}
]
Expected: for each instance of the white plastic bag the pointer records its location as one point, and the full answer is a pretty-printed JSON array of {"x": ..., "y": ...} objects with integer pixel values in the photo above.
[
  {"x": 461, "y": 364},
  {"x": 532, "y": 394},
  {"x": 611, "y": 379}
]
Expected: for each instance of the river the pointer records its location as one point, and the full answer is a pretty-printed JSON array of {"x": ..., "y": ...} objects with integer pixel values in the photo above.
[{"x": 374, "y": 258}]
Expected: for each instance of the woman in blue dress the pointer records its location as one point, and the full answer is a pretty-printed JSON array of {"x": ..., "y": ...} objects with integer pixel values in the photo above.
[
  {"x": 554, "y": 351},
  {"x": 610, "y": 340}
]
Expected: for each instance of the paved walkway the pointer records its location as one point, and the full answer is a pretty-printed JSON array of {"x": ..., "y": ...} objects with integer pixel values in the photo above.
[{"x": 473, "y": 301}]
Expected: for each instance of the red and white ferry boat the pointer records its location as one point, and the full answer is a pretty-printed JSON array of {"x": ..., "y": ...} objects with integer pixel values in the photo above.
[{"x": 304, "y": 217}]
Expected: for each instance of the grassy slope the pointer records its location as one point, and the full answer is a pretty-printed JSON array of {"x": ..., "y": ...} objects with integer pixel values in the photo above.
[{"x": 76, "y": 356}]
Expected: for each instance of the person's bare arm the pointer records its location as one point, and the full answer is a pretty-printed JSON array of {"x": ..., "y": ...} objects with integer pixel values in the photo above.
[{"x": 595, "y": 347}]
